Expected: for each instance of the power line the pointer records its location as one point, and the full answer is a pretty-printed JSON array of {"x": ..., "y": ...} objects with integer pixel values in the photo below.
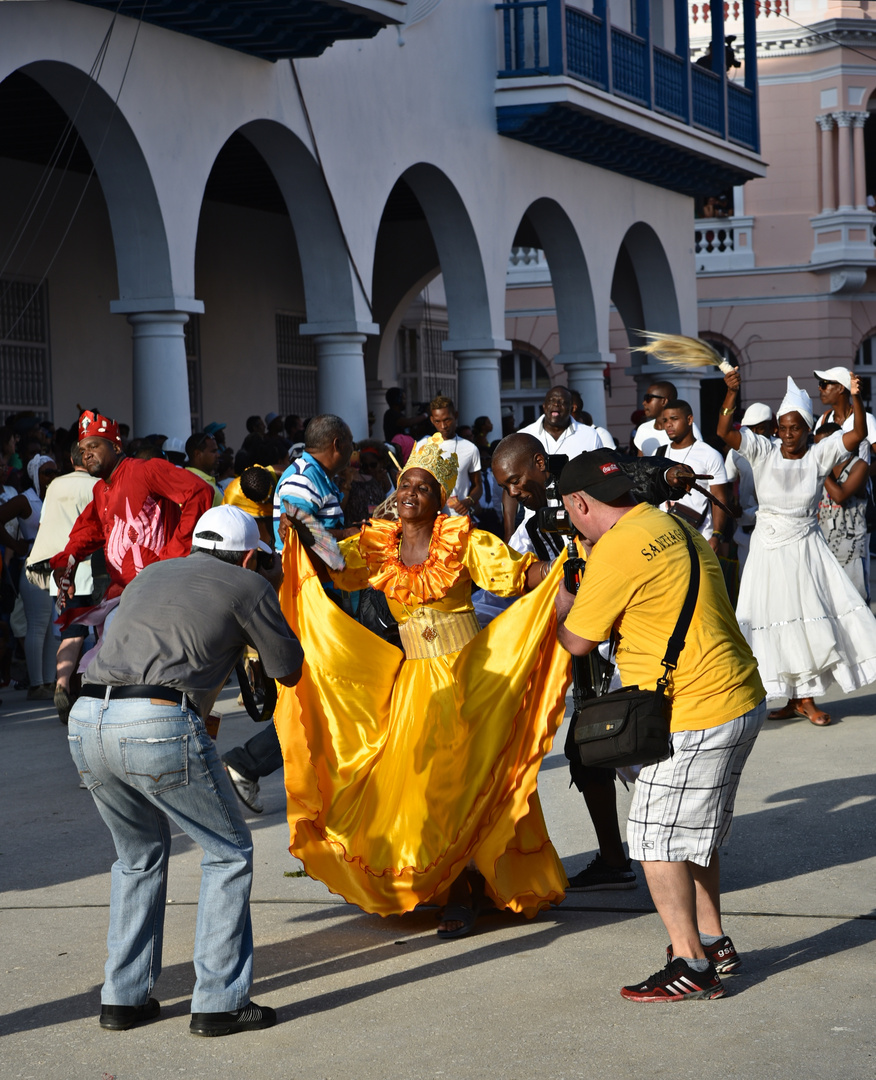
[{"x": 328, "y": 189}]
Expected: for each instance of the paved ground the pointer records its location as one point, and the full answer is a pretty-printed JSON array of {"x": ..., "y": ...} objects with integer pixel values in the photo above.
[{"x": 365, "y": 998}]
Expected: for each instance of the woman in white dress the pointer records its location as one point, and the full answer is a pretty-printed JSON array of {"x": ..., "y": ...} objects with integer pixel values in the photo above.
[{"x": 806, "y": 623}]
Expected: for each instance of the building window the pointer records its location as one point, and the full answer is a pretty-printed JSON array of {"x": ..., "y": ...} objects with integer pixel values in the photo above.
[
  {"x": 296, "y": 367},
  {"x": 525, "y": 382},
  {"x": 192, "y": 334},
  {"x": 423, "y": 368},
  {"x": 25, "y": 374}
]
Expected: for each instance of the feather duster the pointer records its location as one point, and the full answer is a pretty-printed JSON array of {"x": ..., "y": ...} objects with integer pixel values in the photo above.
[{"x": 677, "y": 351}]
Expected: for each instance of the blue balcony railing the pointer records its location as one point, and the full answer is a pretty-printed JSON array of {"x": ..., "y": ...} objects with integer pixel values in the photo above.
[
  {"x": 669, "y": 84},
  {"x": 741, "y": 114},
  {"x": 525, "y": 37},
  {"x": 707, "y": 92},
  {"x": 629, "y": 64},
  {"x": 584, "y": 46},
  {"x": 552, "y": 37}
]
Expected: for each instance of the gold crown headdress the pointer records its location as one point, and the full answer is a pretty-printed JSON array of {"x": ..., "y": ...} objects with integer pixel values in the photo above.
[{"x": 429, "y": 457}]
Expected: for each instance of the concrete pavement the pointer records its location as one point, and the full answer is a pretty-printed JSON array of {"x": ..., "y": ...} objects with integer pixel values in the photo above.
[{"x": 362, "y": 997}]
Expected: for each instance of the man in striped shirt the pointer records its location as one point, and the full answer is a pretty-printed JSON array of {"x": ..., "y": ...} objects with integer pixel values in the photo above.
[{"x": 308, "y": 482}]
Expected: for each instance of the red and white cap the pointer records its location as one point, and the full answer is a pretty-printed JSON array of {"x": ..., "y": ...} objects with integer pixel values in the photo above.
[{"x": 92, "y": 424}]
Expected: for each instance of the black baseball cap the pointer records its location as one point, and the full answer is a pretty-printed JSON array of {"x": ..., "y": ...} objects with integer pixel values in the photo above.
[{"x": 596, "y": 473}]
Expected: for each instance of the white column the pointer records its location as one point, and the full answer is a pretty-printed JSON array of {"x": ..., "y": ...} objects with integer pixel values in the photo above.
[
  {"x": 687, "y": 383},
  {"x": 585, "y": 375},
  {"x": 375, "y": 393},
  {"x": 478, "y": 385},
  {"x": 161, "y": 381},
  {"x": 860, "y": 118},
  {"x": 844, "y": 159},
  {"x": 828, "y": 190},
  {"x": 340, "y": 376}
]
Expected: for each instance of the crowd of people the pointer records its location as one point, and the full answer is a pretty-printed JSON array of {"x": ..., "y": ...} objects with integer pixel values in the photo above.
[{"x": 410, "y": 617}]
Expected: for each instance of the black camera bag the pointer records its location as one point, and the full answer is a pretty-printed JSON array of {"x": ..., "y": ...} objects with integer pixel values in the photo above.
[{"x": 631, "y": 726}]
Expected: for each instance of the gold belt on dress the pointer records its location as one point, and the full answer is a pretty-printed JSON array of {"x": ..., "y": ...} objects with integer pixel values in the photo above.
[{"x": 429, "y": 632}]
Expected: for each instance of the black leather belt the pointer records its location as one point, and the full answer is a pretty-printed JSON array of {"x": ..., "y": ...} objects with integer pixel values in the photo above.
[{"x": 163, "y": 693}]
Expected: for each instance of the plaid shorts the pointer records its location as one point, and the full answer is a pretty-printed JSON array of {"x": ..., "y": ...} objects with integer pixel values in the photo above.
[{"x": 682, "y": 808}]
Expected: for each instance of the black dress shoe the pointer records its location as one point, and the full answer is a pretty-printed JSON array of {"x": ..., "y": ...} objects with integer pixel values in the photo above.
[
  {"x": 251, "y": 1017},
  {"x": 122, "y": 1017}
]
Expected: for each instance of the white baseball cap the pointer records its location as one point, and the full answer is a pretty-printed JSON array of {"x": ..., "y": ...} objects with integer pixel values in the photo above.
[
  {"x": 228, "y": 528},
  {"x": 173, "y": 445},
  {"x": 842, "y": 375},
  {"x": 758, "y": 413}
]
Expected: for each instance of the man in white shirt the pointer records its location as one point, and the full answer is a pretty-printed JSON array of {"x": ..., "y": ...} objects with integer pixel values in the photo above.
[
  {"x": 650, "y": 435},
  {"x": 683, "y": 447},
  {"x": 468, "y": 480},
  {"x": 835, "y": 393},
  {"x": 558, "y": 433}
]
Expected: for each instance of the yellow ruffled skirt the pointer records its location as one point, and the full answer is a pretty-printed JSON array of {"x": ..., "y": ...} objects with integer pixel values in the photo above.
[{"x": 399, "y": 773}]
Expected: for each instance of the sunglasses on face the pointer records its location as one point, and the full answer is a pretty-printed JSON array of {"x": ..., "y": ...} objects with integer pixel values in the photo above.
[
  {"x": 653, "y": 397},
  {"x": 825, "y": 383}
]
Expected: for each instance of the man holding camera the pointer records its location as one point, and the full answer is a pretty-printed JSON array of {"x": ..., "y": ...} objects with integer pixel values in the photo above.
[
  {"x": 637, "y": 577},
  {"x": 140, "y": 744}
]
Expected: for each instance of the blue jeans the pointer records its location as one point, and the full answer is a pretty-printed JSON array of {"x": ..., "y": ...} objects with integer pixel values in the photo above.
[
  {"x": 143, "y": 764},
  {"x": 259, "y": 756}
]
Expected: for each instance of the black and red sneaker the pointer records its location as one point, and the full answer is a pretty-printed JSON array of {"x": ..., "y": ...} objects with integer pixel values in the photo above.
[
  {"x": 677, "y": 982},
  {"x": 722, "y": 954}
]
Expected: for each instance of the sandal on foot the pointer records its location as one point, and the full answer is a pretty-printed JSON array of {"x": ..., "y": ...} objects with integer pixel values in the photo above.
[
  {"x": 461, "y": 914},
  {"x": 790, "y": 712},
  {"x": 813, "y": 714}
]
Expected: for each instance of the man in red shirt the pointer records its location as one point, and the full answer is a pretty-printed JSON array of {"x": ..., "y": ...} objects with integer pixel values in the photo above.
[{"x": 141, "y": 512}]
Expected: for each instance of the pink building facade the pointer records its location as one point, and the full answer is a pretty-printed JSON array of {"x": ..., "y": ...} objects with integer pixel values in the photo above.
[{"x": 786, "y": 284}]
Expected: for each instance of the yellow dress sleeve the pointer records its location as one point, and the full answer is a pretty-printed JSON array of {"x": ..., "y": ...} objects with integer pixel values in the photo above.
[
  {"x": 354, "y": 576},
  {"x": 494, "y": 566}
]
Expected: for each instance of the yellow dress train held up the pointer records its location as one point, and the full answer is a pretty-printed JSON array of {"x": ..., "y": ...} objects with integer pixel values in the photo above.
[{"x": 401, "y": 771}]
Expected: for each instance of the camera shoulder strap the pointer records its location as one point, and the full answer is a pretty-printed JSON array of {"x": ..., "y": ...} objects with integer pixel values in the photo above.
[
  {"x": 537, "y": 539},
  {"x": 676, "y": 640}
]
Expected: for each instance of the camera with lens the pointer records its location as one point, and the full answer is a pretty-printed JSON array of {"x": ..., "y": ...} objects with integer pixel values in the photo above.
[{"x": 554, "y": 518}]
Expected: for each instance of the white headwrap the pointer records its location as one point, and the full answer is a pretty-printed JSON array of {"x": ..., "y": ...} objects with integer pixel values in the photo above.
[
  {"x": 33, "y": 469},
  {"x": 797, "y": 400}
]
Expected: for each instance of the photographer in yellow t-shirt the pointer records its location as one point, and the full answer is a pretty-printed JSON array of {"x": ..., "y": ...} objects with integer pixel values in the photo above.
[{"x": 636, "y": 581}]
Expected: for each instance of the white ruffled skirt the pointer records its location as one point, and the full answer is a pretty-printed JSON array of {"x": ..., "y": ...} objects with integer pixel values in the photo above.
[{"x": 804, "y": 620}]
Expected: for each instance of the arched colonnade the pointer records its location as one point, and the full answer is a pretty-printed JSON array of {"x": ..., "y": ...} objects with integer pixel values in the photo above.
[{"x": 356, "y": 286}]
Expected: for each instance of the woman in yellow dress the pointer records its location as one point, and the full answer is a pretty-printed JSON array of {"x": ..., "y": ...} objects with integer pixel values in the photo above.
[{"x": 411, "y": 777}]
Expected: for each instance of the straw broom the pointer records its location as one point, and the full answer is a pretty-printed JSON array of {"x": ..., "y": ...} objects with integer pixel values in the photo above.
[{"x": 677, "y": 351}]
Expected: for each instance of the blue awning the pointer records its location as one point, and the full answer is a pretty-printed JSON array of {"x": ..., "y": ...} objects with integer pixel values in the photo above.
[{"x": 269, "y": 29}]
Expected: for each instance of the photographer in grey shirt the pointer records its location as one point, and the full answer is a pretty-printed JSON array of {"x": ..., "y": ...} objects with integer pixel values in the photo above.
[{"x": 138, "y": 739}]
